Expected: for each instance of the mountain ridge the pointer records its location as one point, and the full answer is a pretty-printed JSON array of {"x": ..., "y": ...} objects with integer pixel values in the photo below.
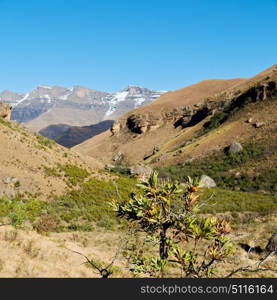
[
  {"x": 176, "y": 118},
  {"x": 77, "y": 106}
]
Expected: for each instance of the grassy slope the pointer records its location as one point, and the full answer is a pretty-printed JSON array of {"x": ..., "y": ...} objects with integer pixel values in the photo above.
[{"x": 83, "y": 205}]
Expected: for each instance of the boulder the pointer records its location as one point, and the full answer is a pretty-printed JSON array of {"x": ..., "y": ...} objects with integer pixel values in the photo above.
[
  {"x": 10, "y": 179},
  {"x": 188, "y": 161},
  {"x": 235, "y": 147},
  {"x": 118, "y": 157},
  {"x": 141, "y": 171},
  {"x": 206, "y": 181}
]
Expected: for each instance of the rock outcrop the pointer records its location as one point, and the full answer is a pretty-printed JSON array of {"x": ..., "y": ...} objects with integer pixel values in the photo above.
[
  {"x": 115, "y": 129},
  {"x": 196, "y": 113},
  {"x": 140, "y": 123},
  {"x": 5, "y": 111}
]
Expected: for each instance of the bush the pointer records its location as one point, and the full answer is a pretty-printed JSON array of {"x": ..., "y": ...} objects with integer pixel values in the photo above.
[
  {"x": 218, "y": 167},
  {"x": 22, "y": 210},
  {"x": 235, "y": 201},
  {"x": 174, "y": 228},
  {"x": 73, "y": 173},
  {"x": 78, "y": 209}
]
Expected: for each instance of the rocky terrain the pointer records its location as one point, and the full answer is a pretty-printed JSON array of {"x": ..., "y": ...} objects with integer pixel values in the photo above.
[
  {"x": 191, "y": 122},
  {"x": 54, "y": 200}
]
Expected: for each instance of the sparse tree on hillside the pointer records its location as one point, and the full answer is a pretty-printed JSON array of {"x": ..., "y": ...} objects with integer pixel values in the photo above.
[{"x": 187, "y": 242}]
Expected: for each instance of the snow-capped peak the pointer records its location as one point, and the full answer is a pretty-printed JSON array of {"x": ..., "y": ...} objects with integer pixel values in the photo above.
[
  {"x": 21, "y": 100},
  {"x": 44, "y": 87},
  {"x": 118, "y": 97}
]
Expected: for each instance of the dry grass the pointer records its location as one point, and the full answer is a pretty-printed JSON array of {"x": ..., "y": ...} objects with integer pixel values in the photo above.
[
  {"x": 25, "y": 155},
  {"x": 25, "y": 253}
]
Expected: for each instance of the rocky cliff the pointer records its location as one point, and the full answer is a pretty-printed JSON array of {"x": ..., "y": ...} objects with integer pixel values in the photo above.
[{"x": 5, "y": 111}]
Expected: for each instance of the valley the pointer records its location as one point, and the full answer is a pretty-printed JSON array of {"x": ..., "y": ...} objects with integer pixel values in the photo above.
[{"x": 69, "y": 157}]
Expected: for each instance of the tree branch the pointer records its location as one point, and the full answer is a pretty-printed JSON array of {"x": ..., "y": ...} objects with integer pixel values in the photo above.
[{"x": 249, "y": 268}]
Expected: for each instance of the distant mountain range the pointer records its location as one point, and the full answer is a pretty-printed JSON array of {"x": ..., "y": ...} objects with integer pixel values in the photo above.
[
  {"x": 45, "y": 99},
  {"x": 78, "y": 106}
]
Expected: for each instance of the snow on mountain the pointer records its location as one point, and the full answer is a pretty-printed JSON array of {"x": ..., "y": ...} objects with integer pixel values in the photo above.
[
  {"x": 114, "y": 100},
  {"x": 43, "y": 99}
]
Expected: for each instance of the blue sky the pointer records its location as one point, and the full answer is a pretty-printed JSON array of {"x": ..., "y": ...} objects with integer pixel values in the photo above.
[{"x": 108, "y": 44}]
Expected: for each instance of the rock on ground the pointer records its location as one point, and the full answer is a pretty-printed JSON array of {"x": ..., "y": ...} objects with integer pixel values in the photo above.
[
  {"x": 235, "y": 147},
  {"x": 141, "y": 171},
  {"x": 206, "y": 181}
]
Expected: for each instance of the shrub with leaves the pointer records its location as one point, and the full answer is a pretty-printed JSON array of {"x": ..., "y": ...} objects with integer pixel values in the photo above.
[{"x": 189, "y": 245}]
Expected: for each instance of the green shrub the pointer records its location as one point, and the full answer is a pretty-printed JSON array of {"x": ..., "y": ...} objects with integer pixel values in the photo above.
[
  {"x": 6, "y": 123},
  {"x": 173, "y": 229},
  {"x": 225, "y": 200},
  {"x": 19, "y": 211},
  {"x": 78, "y": 209},
  {"x": 121, "y": 170},
  {"x": 73, "y": 173},
  {"x": 218, "y": 166}
]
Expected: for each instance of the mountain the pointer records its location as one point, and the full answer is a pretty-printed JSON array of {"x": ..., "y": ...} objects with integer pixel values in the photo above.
[
  {"x": 195, "y": 123},
  {"x": 56, "y": 202},
  {"x": 10, "y": 97},
  {"x": 69, "y": 136},
  {"x": 78, "y": 106}
]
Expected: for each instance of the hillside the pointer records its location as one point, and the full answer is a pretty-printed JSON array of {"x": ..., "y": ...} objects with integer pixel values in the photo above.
[
  {"x": 69, "y": 136},
  {"x": 175, "y": 127},
  {"x": 25, "y": 157},
  {"x": 54, "y": 201}
]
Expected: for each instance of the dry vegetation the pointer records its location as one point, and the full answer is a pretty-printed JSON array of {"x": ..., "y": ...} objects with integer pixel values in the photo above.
[
  {"x": 25, "y": 253},
  {"x": 54, "y": 201}
]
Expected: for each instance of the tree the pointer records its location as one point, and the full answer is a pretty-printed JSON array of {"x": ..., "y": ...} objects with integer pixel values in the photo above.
[{"x": 169, "y": 216}]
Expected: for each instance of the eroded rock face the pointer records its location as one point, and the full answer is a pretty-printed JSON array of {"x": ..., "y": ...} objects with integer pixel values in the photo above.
[
  {"x": 266, "y": 90},
  {"x": 115, "y": 129},
  {"x": 190, "y": 115},
  {"x": 5, "y": 111},
  {"x": 196, "y": 113},
  {"x": 141, "y": 123}
]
